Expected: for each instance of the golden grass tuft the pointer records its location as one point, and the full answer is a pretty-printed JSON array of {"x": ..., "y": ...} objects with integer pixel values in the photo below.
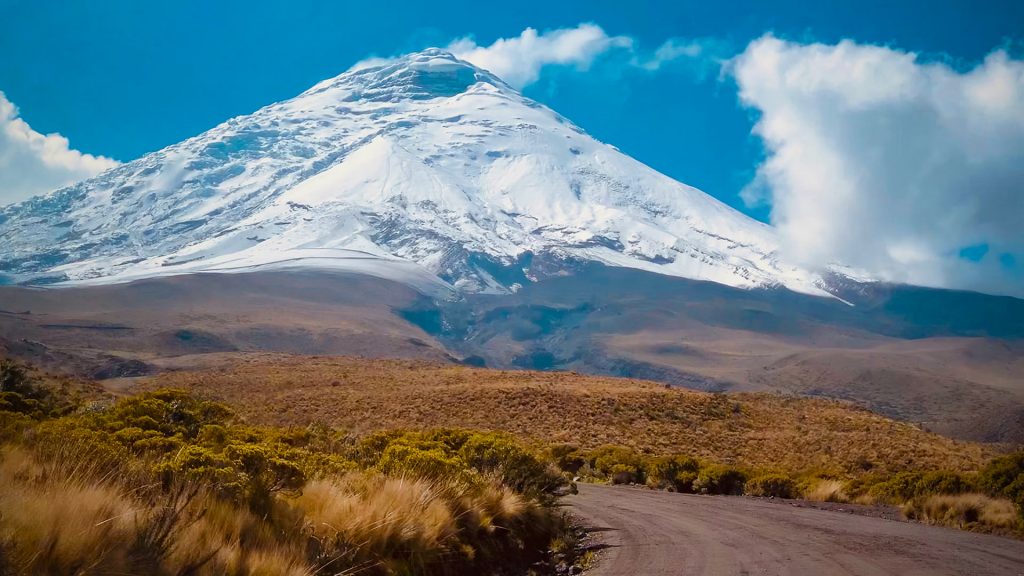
[
  {"x": 826, "y": 490},
  {"x": 378, "y": 516},
  {"x": 973, "y": 511},
  {"x": 64, "y": 525},
  {"x": 55, "y": 519}
]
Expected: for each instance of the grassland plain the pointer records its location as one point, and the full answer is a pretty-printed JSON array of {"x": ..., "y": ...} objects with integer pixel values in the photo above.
[
  {"x": 756, "y": 430},
  {"x": 270, "y": 464}
]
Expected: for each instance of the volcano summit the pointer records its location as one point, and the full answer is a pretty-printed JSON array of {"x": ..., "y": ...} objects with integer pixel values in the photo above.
[{"x": 424, "y": 169}]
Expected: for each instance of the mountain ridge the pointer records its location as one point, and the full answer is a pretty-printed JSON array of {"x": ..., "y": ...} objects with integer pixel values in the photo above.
[{"x": 426, "y": 169}]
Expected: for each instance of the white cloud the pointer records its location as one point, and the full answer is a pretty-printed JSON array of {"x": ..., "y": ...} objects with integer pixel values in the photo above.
[
  {"x": 32, "y": 163},
  {"x": 881, "y": 161},
  {"x": 519, "y": 60},
  {"x": 371, "y": 62},
  {"x": 671, "y": 50}
]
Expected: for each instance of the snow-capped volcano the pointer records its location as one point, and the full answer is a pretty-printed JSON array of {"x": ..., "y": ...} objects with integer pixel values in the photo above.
[{"x": 424, "y": 169}]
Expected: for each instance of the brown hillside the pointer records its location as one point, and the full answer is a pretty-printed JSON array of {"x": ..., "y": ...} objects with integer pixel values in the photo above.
[{"x": 752, "y": 429}]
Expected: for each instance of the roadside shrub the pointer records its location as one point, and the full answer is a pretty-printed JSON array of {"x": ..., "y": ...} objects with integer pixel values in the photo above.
[
  {"x": 462, "y": 455},
  {"x": 673, "y": 472},
  {"x": 421, "y": 460},
  {"x": 166, "y": 483},
  {"x": 516, "y": 466},
  {"x": 567, "y": 457},
  {"x": 945, "y": 482},
  {"x": 968, "y": 511},
  {"x": 903, "y": 486},
  {"x": 617, "y": 463},
  {"x": 897, "y": 489},
  {"x": 1004, "y": 477},
  {"x": 719, "y": 479},
  {"x": 825, "y": 490},
  {"x": 771, "y": 485},
  {"x": 623, "y": 474},
  {"x": 1002, "y": 473}
]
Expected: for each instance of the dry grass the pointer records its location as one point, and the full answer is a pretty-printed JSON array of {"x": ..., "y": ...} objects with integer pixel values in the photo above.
[
  {"x": 973, "y": 511},
  {"x": 61, "y": 517},
  {"x": 756, "y": 430},
  {"x": 360, "y": 516},
  {"x": 827, "y": 491},
  {"x": 63, "y": 525},
  {"x": 58, "y": 517},
  {"x": 380, "y": 516}
]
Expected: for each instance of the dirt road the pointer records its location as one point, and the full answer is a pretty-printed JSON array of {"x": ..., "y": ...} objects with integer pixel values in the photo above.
[{"x": 650, "y": 533}]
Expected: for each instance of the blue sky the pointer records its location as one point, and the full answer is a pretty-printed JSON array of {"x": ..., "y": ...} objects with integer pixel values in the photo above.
[{"x": 122, "y": 78}]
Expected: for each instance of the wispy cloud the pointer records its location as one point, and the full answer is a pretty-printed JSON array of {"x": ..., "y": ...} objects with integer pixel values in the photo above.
[
  {"x": 32, "y": 163},
  {"x": 518, "y": 60},
  {"x": 881, "y": 161}
]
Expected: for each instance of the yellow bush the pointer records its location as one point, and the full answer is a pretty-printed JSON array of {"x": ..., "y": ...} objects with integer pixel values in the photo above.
[
  {"x": 775, "y": 485},
  {"x": 971, "y": 511}
]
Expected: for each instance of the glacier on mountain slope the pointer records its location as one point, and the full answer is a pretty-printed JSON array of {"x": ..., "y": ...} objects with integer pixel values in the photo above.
[{"x": 425, "y": 169}]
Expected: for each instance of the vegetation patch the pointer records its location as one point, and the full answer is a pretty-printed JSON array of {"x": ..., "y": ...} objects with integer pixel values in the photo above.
[
  {"x": 166, "y": 482},
  {"x": 171, "y": 481},
  {"x": 798, "y": 436},
  {"x": 986, "y": 501}
]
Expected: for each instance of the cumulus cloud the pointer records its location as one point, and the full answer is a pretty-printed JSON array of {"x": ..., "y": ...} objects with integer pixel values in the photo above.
[
  {"x": 32, "y": 163},
  {"x": 882, "y": 161},
  {"x": 518, "y": 60}
]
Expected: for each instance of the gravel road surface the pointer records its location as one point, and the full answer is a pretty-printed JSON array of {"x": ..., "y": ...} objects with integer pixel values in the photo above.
[{"x": 651, "y": 533}]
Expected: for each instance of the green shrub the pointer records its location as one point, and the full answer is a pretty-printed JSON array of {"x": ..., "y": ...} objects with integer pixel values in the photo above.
[
  {"x": 673, "y": 472},
  {"x": 898, "y": 489},
  {"x": 905, "y": 486},
  {"x": 461, "y": 455},
  {"x": 515, "y": 465},
  {"x": 421, "y": 460},
  {"x": 623, "y": 474},
  {"x": 567, "y": 457},
  {"x": 23, "y": 393},
  {"x": 771, "y": 485},
  {"x": 618, "y": 460},
  {"x": 1004, "y": 477},
  {"x": 719, "y": 479},
  {"x": 171, "y": 412},
  {"x": 13, "y": 424},
  {"x": 945, "y": 482}
]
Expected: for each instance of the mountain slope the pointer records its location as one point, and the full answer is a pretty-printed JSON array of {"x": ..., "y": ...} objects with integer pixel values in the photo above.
[{"x": 426, "y": 170}]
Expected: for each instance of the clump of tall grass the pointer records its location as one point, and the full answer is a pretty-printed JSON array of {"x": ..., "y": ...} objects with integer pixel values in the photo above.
[
  {"x": 61, "y": 524},
  {"x": 167, "y": 483},
  {"x": 826, "y": 490},
  {"x": 970, "y": 511}
]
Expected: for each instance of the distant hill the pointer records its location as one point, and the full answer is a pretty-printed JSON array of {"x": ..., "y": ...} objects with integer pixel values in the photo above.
[{"x": 758, "y": 430}]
